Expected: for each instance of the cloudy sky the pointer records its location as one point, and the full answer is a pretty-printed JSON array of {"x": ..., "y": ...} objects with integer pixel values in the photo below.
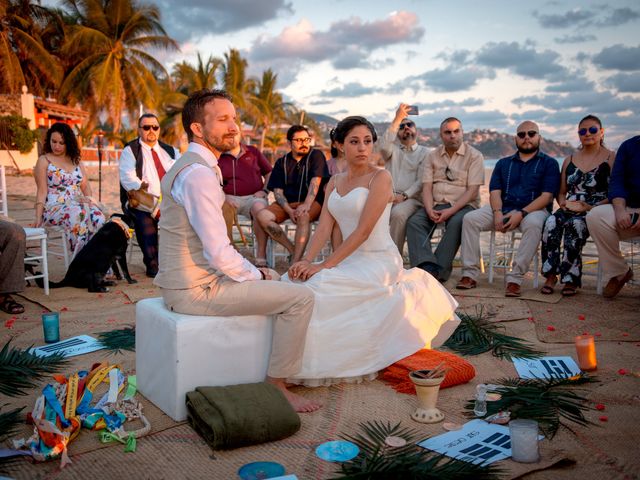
[{"x": 490, "y": 63}]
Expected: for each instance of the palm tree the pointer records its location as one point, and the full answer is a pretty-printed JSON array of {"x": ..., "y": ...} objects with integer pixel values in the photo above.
[
  {"x": 268, "y": 107},
  {"x": 24, "y": 60},
  {"x": 273, "y": 141},
  {"x": 236, "y": 83},
  {"x": 116, "y": 73},
  {"x": 189, "y": 78}
]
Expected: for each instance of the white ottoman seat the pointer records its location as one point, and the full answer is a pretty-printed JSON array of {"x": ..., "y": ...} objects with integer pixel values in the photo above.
[{"x": 176, "y": 353}]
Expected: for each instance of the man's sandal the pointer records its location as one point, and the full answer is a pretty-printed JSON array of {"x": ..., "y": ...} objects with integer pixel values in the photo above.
[
  {"x": 261, "y": 263},
  {"x": 10, "y": 306},
  {"x": 569, "y": 290}
]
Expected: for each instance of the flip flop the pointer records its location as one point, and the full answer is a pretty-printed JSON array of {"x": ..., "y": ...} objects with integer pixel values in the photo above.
[{"x": 10, "y": 306}]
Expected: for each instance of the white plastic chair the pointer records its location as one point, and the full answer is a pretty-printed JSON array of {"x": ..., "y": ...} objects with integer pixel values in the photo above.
[
  {"x": 59, "y": 241},
  {"x": 510, "y": 248},
  {"x": 4, "y": 206},
  {"x": 38, "y": 235}
]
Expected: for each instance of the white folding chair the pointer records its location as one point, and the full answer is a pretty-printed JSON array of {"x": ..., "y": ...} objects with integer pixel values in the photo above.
[
  {"x": 274, "y": 249},
  {"x": 58, "y": 243},
  {"x": 509, "y": 250},
  {"x": 4, "y": 206},
  {"x": 38, "y": 235}
]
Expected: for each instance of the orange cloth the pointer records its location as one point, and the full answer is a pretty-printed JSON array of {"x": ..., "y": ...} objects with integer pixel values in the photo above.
[{"x": 460, "y": 371}]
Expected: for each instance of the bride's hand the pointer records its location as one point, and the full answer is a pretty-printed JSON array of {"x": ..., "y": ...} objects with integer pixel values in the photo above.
[
  {"x": 309, "y": 270},
  {"x": 294, "y": 270}
]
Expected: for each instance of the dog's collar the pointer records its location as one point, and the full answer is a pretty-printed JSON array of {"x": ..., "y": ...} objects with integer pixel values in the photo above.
[{"x": 123, "y": 226}]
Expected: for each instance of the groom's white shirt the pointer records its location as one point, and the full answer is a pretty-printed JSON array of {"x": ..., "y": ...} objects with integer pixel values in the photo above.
[{"x": 198, "y": 190}]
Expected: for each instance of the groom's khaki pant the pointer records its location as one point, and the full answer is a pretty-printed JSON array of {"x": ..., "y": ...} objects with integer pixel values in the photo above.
[
  {"x": 481, "y": 220},
  {"x": 291, "y": 305}
]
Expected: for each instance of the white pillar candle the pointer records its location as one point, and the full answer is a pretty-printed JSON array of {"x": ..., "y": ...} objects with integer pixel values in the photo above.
[{"x": 524, "y": 441}]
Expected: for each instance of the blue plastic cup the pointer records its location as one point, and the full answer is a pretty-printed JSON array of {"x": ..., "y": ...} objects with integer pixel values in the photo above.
[{"x": 51, "y": 327}]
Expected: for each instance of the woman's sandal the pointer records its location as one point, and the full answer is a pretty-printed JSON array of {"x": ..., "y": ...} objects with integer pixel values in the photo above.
[
  {"x": 10, "y": 306},
  {"x": 569, "y": 290}
]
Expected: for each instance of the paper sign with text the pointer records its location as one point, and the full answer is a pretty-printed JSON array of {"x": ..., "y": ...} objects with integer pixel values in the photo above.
[{"x": 546, "y": 367}]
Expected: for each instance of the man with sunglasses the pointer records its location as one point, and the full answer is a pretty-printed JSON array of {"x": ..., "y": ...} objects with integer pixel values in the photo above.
[
  {"x": 618, "y": 220},
  {"x": 521, "y": 193},
  {"x": 143, "y": 163},
  {"x": 296, "y": 181},
  {"x": 453, "y": 174},
  {"x": 404, "y": 158}
]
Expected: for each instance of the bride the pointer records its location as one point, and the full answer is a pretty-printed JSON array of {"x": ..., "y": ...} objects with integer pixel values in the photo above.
[{"x": 369, "y": 312}]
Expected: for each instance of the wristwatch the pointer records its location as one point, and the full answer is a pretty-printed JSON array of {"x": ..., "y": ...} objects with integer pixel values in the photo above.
[
  {"x": 404, "y": 195},
  {"x": 524, "y": 212}
]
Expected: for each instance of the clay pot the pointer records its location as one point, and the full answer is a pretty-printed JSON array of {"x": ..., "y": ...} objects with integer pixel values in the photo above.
[{"x": 427, "y": 391}]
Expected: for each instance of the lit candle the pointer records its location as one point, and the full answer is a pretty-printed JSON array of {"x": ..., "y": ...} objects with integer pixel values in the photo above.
[
  {"x": 524, "y": 441},
  {"x": 51, "y": 327},
  {"x": 586, "y": 350}
]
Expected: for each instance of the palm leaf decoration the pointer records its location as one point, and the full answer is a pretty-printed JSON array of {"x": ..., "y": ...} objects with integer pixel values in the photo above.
[
  {"x": 9, "y": 422},
  {"x": 475, "y": 335},
  {"x": 548, "y": 401},
  {"x": 21, "y": 369},
  {"x": 117, "y": 340},
  {"x": 377, "y": 460}
]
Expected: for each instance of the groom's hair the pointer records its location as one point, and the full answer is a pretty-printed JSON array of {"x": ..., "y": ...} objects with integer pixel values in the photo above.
[
  {"x": 193, "y": 110},
  {"x": 349, "y": 123}
]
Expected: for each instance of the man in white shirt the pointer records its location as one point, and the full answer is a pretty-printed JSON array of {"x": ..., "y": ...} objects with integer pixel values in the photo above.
[
  {"x": 143, "y": 163},
  {"x": 200, "y": 273},
  {"x": 403, "y": 157}
]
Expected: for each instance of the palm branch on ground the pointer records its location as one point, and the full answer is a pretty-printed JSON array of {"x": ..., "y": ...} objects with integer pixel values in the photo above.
[{"x": 117, "y": 340}]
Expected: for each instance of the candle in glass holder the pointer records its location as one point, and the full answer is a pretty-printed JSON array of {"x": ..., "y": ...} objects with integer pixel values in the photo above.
[
  {"x": 51, "y": 327},
  {"x": 524, "y": 441},
  {"x": 586, "y": 350}
]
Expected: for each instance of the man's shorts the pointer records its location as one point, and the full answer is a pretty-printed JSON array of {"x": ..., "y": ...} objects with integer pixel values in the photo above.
[
  {"x": 281, "y": 215},
  {"x": 245, "y": 203}
]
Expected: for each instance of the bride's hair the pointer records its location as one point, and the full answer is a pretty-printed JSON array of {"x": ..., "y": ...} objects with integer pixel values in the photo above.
[{"x": 349, "y": 123}]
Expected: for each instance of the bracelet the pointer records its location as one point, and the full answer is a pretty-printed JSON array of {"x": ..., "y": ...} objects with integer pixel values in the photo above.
[
  {"x": 496, "y": 210},
  {"x": 38, "y": 203}
]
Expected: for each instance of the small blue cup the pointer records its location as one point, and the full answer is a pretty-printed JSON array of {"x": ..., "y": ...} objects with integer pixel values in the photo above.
[{"x": 51, "y": 327}]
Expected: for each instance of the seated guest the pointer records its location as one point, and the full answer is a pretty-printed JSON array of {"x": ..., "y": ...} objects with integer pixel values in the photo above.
[
  {"x": 337, "y": 163},
  {"x": 521, "y": 193},
  {"x": 403, "y": 157},
  {"x": 63, "y": 196},
  {"x": 296, "y": 181},
  {"x": 143, "y": 163},
  {"x": 584, "y": 182},
  {"x": 609, "y": 224},
  {"x": 12, "y": 247},
  {"x": 244, "y": 172},
  {"x": 200, "y": 272},
  {"x": 453, "y": 174}
]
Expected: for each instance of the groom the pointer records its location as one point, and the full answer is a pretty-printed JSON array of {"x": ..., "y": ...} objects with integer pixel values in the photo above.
[{"x": 200, "y": 273}]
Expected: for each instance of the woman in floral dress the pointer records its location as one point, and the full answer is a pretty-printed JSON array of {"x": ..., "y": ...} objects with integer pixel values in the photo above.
[
  {"x": 584, "y": 183},
  {"x": 63, "y": 195}
]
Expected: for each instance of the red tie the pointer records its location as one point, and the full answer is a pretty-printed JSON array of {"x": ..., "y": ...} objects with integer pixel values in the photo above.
[{"x": 159, "y": 167}]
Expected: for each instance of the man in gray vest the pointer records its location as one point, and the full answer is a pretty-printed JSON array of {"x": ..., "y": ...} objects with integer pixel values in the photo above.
[
  {"x": 200, "y": 273},
  {"x": 143, "y": 163}
]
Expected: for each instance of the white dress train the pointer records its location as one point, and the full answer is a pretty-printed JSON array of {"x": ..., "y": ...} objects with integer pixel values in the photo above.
[{"x": 369, "y": 311}]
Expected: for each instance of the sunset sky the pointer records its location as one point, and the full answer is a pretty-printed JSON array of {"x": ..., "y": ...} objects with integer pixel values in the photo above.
[{"x": 491, "y": 63}]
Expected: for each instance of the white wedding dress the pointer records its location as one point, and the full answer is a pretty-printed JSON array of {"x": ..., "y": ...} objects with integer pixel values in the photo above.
[{"x": 369, "y": 311}]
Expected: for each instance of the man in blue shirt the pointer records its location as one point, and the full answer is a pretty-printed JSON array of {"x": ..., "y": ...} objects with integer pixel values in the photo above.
[
  {"x": 521, "y": 193},
  {"x": 608, "y": 224}
]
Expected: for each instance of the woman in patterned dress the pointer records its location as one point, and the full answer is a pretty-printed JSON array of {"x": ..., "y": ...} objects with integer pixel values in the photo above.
[
  {"x": 63, "y": 195},
  {"x": 584, "y": 184}
]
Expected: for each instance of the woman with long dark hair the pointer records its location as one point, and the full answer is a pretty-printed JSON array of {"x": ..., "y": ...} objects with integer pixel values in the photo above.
[
  {"x": 584, "y": 183},
  {"x": 63, "y": 195}
]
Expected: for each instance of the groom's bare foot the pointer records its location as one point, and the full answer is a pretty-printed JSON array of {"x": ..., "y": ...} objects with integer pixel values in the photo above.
[{"x": 298, "y": 402}]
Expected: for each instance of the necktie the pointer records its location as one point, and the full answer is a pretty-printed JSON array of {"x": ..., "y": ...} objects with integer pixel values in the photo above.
[{"x": 158, "y": 163}]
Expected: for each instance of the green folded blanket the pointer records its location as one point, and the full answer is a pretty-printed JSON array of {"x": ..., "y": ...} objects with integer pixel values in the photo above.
[{"x": 241, "y": 415}]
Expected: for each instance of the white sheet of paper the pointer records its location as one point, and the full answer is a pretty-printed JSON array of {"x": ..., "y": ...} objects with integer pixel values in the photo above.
[
  {"x": 477, "y": 442},
  {"x": 70, "y": 347},
  {"x": 546, "y": 367}
]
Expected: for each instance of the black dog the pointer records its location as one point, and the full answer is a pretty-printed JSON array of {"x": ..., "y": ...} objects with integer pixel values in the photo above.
[{"x": 105, "y": 250}]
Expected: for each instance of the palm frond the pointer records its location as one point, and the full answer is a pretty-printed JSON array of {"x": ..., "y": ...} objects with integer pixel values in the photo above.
[
  {"x": 21, "y": 369},
  {"x": 546, "y": 401},
  {"x": 377, "y": 460},
  {"x": 117, "y": 340},
  {"x": 475, "y": 335},
  {"x": 10, "y": 421}
]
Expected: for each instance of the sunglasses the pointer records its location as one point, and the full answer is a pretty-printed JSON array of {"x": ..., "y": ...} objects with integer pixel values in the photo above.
[
  {"x": 592, "y": 130},
  {"x": 531, "y": 133},
  {"x": 449, "y": 174},
  {"x": 146, "y": 128},
  {"x": 407, "y": 125},
  {"x": 303, "y": 141}
]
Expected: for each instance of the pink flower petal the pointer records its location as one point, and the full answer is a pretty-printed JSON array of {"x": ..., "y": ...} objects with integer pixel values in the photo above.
[
  {"x": 551, "y": 328},
  {"x": 581, "y": 317},
  {"x": 622, "y": 371},
  {"x": 604, "y": 418},
  {"x": 64, "y": 309},
  {"x": 598, "y": 334},
  {"x": 599, "y": 406}
]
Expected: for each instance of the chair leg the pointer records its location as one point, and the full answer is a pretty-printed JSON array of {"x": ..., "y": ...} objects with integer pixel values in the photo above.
[
  {"x": 45, "y": 265},
  {"x": 492, "y": 254}
]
